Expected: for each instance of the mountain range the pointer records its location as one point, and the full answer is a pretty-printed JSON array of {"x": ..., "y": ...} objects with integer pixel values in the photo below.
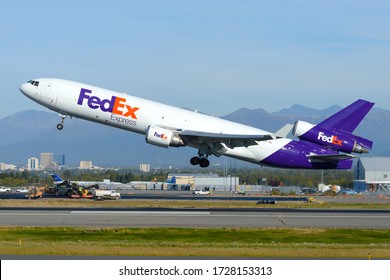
[{"x": 27, "y": 134}]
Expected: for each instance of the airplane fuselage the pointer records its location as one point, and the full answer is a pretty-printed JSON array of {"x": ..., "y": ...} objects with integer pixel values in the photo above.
[
  {"x": 154, "y": 119},
  {"x": 125, "y": 111}
]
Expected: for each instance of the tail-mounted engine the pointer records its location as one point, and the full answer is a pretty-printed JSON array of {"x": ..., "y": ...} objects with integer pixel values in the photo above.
[
  {"x": 338, "y": 140},
  {"x": 163, "y": 137}
]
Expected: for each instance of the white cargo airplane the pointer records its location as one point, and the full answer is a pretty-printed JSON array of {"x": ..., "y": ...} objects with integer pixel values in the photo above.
[{"x": 166, "y": 126}]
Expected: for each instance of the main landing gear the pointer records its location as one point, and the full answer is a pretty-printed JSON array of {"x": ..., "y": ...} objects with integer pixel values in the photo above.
[
  {"x": 60, "y": 126},
  {"x": 204, "y": 151},
  {"x": 202, "y": 161}
]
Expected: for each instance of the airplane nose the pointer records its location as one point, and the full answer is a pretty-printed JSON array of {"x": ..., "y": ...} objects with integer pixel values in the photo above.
[
  {"x": 22, "y": 88},
  {"x": 26, "y": 89}
]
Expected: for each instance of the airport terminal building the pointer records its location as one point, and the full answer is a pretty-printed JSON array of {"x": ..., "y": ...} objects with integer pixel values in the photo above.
[
  {"x": 372, "y": 174},
  {"x": 209, "y": 181}
]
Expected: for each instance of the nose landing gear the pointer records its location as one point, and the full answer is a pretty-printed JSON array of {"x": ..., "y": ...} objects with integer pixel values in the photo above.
[{"x": 60, "y": 126}]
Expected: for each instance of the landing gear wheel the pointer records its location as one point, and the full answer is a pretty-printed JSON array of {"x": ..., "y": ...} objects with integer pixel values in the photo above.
[
  {"x": 195, "y": 161},
  {"x": 204, "y": 162},
  {"x": 60, "y": 126}
]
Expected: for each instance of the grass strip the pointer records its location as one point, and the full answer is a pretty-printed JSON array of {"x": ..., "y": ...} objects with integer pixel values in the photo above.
[{"x": 204, "y": 242}]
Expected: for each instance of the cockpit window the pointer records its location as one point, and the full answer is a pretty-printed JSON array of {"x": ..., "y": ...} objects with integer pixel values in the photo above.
[{"x": 34, "y": 83}]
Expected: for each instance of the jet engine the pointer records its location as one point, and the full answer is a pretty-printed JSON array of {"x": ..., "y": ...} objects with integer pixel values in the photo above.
[
  {"x": 338, "y": 140},
  {"x": 163, "y": 137}
]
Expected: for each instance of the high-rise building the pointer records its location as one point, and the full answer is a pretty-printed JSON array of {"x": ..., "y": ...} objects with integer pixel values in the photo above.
[
  {"x": 59, "y": 159},
  {"x": 145, "y": 167},
  {"x": 86, "y": 164},
  {"x": 32, "y": 164},
  {"x": 46, "y": 160}
]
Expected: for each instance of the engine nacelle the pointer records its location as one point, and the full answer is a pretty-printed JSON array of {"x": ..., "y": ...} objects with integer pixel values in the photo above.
[
  {"x": 342, "y": 141},
  {"x": 301, "y": 127},
  {"x": 163, "y": 137}
]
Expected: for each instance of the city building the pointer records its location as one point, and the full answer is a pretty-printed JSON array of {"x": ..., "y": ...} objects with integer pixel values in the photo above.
[
  {"x": 59, "y": 159},
  {"x": 6, "y": 166},
  {"x": 86, "y": 164},
  {"x": 144, "y": 167},
  {"x": 46, "y": 160},
  {"x": 32, "y": 164}
]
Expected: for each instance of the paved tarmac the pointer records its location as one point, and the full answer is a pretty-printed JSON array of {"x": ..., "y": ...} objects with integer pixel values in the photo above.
[
  {"x": 164, "y": 217},
  {"x": 201, "y": 218},
  {"x": 250, "y": 196}
]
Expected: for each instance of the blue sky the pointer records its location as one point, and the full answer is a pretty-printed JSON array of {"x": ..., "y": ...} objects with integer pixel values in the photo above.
[{"x": 214, "y": 56}]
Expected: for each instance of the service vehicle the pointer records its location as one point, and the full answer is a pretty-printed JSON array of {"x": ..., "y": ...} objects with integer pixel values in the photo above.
[
  {"x": 107, "y": 194},
  {"x": 201, "y": 192},
  {"x": 5, "y": 190},
  {"x": 348, "y": 192},
  {"x": 243, "y": 192},
  {"x": 35, "y": 193}
]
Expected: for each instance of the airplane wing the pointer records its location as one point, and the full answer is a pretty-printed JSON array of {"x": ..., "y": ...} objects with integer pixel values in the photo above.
[
  {"x": 330, "y": 158},
  {"x": 230, "y": 140}
]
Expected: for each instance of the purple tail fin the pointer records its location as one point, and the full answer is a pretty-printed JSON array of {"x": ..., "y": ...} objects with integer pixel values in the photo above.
[{"x": 348, "y": 118}]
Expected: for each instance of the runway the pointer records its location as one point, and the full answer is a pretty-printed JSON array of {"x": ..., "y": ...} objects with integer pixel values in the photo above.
[{"x": 195, "y": 218}]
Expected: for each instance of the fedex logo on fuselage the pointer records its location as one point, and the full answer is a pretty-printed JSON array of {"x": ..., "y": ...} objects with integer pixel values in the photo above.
[
  {"x": 330, "y": 139},
  {"x": 116, "y": 105}
]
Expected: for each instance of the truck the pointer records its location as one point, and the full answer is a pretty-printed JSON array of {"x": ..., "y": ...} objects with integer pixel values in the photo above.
[
  {"x": 72, "y": 191},
  {"x": 107, "y": 194},
  {"x": 5, "y": 190},
  {"x": 326, "y": 188}
]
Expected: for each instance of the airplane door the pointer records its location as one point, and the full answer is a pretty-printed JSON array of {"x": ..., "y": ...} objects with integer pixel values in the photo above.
[
  {"x": 47, "y": 94},
  {"x": 48, "y": 89}
]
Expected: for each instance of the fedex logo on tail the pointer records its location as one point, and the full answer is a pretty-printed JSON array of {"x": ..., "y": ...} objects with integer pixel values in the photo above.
[
  {"x": 330, "y": 139},
  {"x": 116, "y": 105}
]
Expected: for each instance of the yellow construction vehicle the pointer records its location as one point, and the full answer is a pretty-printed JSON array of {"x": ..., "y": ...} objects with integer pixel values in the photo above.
[{"x": 35, "y": 192}]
